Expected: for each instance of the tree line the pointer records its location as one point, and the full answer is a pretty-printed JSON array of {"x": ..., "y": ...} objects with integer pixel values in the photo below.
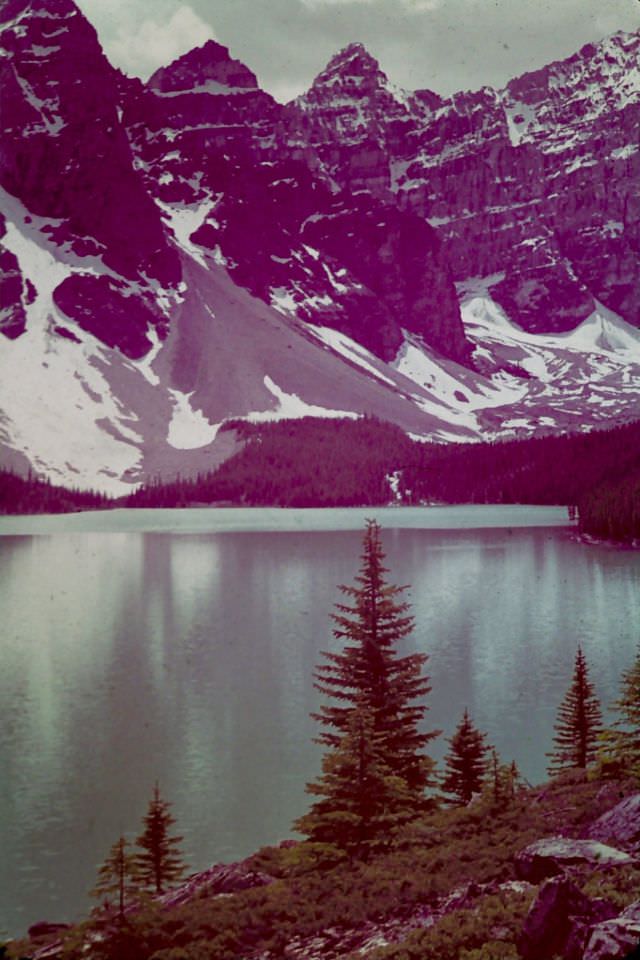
[
  {"x": 32, "y": 494},
  {"x": 611, "y": 511},
  {"x": 320, "y": 463},
  {"x": 315, "y": 462}
]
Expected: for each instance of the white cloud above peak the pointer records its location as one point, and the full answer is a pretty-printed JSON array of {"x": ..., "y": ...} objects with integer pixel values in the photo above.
[
  {"x": 140, "y": 45},
  {"x": 412, "y": 6}
]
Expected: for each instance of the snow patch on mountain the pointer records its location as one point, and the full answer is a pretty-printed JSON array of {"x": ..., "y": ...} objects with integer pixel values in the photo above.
[
  {"x": 602, "y": 332},
  {"x": 623, "y": 153},
  {"x": 145, "y": 365},
  {"x": 282, "y": 299},
  {"x": 58, "y": 410},
  {"x": 212, "y": 87},
  {"x": 449, "y": 382},
  {"x": 573, "y": 380},
  {"x": 57, "y": 406},
  {"x": 37, "y": 264},
  {"x": 520, "y": 118},
  {"x": 189, "y": 428},
  {"x": 292, "y": 406},
  {"x": 353, "y": 351},
  {"x": 184, "y": 220}
]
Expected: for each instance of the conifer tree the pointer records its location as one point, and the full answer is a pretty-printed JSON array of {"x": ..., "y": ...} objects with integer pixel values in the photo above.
[
  {"x": 624, "y": 739},
  {"x": 159, "y": 863},
  {"x": 513, "y": 780},
  {"x": 502, "y": 781},
  {"x": 466, "y": 762},
  {"x": 496, "y": 777},
  {"x": 118, "y": 876},
  {"x": 362, "y": 802},
  {"x": 578, "y": 724},
  {"x": 373, "y": 690}
]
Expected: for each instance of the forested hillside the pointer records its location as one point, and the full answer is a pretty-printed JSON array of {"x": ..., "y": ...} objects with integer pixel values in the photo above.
[
  {"x": 32, "y": 495},
  {"x": 311, "y": 463},
  {"x": 314, "y": 463},
  {"x": 612, "y": 510}
]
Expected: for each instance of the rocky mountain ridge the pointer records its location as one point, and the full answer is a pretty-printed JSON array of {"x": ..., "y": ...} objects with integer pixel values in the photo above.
[
  {"x": 532, "y": 185},
  {"x": 187, "y": 251}
]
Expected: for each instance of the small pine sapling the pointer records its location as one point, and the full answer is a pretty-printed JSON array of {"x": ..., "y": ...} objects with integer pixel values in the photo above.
[
  {"x": 159, "y": 862},
  {"x": 465, "y": 763}
]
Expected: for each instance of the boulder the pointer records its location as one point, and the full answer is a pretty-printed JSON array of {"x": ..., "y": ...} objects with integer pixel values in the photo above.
[
  {"x": 222, "y": 878},
  {"x": 617, "y": 938},
  {"x": 621, "y": 825},
  {"x": 553, "y": 855},
  {"x": 558, "y": 921}
]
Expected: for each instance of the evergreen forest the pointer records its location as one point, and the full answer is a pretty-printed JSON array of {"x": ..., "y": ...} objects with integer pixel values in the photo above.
[{"x": 312, "y": 462}]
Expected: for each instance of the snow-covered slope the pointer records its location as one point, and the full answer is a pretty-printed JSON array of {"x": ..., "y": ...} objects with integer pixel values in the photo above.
[
  {"x": 85, "y": 414},
  {"x": 574, "y": 380},
  {"x": 182, "y": 254}
]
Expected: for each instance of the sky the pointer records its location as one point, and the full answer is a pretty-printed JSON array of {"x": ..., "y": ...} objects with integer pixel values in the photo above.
[{"x": 443, "y": 45}]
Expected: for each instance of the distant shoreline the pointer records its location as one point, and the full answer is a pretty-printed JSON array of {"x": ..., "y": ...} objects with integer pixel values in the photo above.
[{"x": 227, "y": 519}]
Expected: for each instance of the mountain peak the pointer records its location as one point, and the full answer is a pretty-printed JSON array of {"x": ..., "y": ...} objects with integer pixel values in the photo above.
[
  {"x": 202, "y": 67},
  {"x": 355, "y": 49},
  {"x": 353, "y": 61},
  {"x": 51, "y": 8}
]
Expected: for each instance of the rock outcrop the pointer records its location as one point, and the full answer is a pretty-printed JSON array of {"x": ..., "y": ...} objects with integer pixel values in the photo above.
[
  {"x": 216, "y": 153},
  {"x": 621, "y": 825},
  {"x": 553, "y": 855},
  {"x": 616, "y": 939},
  {"x": 222, "y": 878},
  {"x": 66, "y": 157},
  {"x": 559, "y": 921}
]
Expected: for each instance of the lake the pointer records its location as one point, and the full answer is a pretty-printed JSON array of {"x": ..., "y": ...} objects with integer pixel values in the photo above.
[{"x": 179, "y": 646}]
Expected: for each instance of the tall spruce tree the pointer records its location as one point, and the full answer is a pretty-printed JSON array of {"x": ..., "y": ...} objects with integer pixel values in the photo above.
[
  {"x": 466, "y": 763},
  {"x": 118, "y": 877},
  {"x": 579, "y": 723},
  {"x": 159, "y": 862},
  {"x": 373, "y": 690},
  {"x": 623, "y": 741}
]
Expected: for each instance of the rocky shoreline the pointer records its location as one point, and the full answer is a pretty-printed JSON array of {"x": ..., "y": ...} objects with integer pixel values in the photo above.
[{"x": 576, "y": 889}]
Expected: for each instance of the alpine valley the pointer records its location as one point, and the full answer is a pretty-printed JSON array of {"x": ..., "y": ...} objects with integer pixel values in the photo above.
[{"x": 186, "y": 252}]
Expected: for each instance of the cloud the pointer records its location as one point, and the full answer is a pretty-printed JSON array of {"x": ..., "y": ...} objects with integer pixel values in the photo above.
[
  {"x": 413, "y": 6},
  {"x": 332, "y": 3},
  {"x": 141, "y": 48}
]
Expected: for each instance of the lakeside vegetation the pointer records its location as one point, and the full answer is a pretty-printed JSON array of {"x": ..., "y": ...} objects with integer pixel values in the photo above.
[
  {"x": 390, "y": 841},
  {"x": 309, "y": 908},
  {"x": 320, "y": 463}
]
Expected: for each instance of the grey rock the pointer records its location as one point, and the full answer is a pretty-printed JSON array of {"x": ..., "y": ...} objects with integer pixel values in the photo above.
[
  {"x": 558, "y": 921},
  {"x": 617, "y": 938},
  {"x": 621, "y": 825},
  {"x": 553, "y": 855},
  {"x": 222, "y": 878}
]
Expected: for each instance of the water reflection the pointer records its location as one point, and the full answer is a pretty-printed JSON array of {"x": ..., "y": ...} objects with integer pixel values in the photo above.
[{"x": 132, "y": 657}]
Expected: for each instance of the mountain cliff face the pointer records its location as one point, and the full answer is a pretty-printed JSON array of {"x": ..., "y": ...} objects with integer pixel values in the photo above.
[
  {"x": 178, "y": 253},
  {"x": 207, "y": 138},
  {"x": 66, "y": 157},
  {"x": 533, "y": 185}
]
